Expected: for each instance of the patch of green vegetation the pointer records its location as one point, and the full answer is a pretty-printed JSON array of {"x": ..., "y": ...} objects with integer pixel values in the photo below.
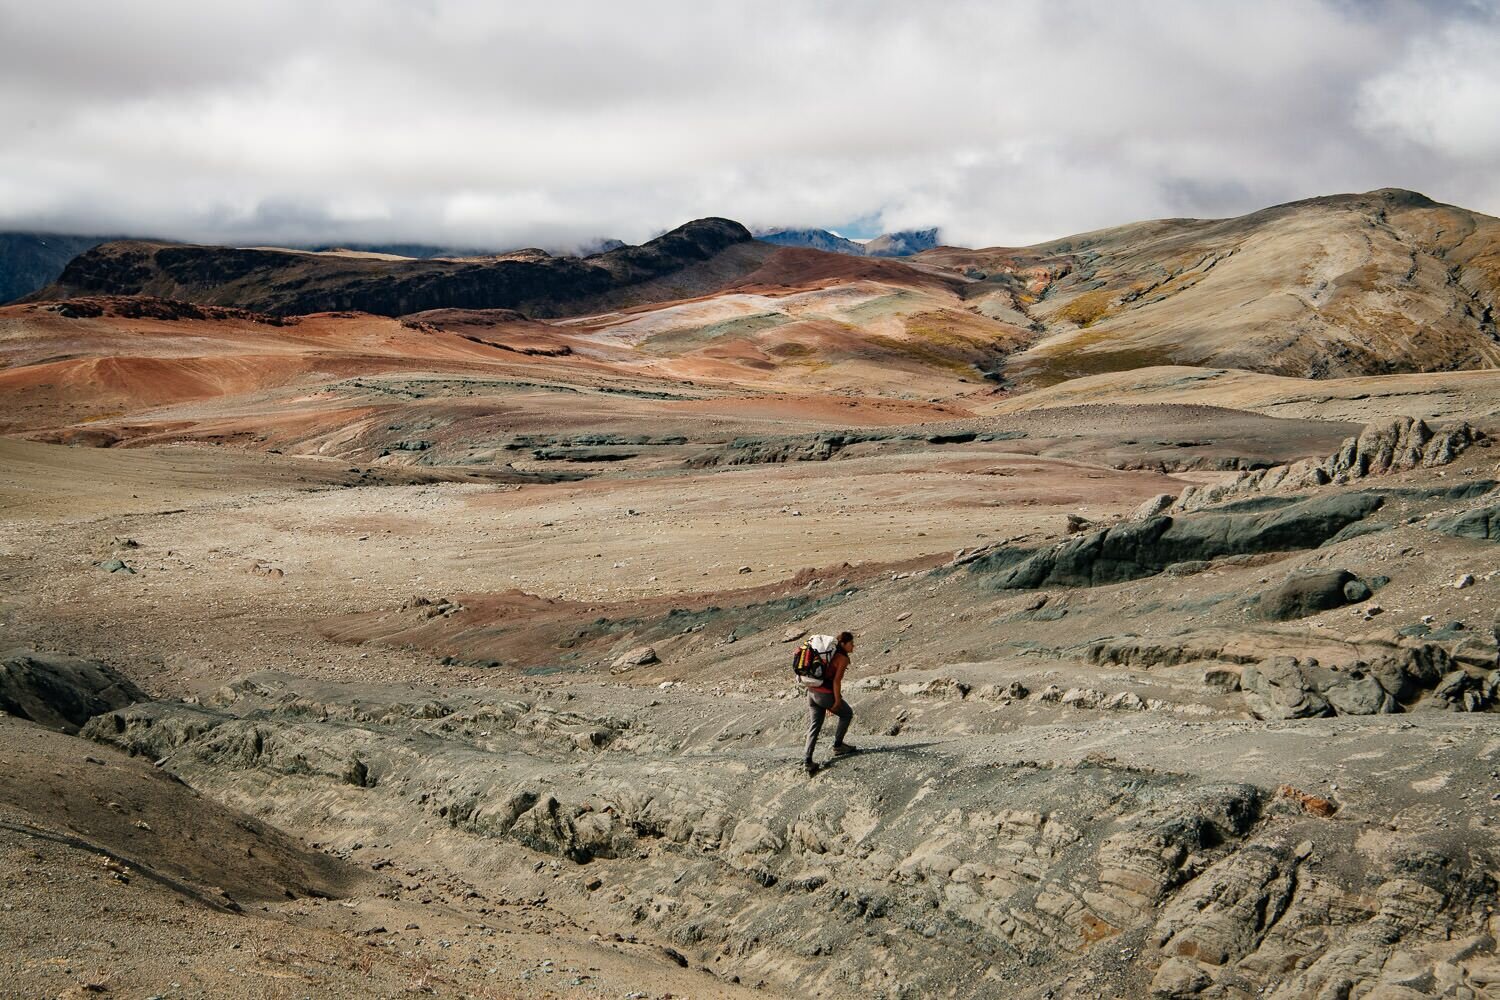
[
  {"x": 960, "y": 330},
  {"x": 1095, "y": 353},
  {"x": 793, "y": 349},
  {"x": 931, "y": 355},
  {"x": 1087, "y": 308}
]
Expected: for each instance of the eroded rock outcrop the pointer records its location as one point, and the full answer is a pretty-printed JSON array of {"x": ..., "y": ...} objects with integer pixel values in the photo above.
[
  {"x": 925, "y": 873},
  {"x": 1131, "y": 550},
  {"x": 61, "y": 692},
  {"x": 1422, "y": 678},
  {"x": 1482, "y": 524},
  {"x": 1401, "y": 445}
]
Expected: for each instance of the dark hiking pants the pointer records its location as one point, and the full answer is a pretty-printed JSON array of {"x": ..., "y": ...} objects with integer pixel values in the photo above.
[{"x": 818, "y": 704}]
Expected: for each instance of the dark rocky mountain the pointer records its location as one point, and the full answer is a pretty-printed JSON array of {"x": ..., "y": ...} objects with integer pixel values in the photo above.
[
  {"x": 419, "y": 251},
  {"x": 601, "y": 246},
  {"x": 696, "y": 257},
  {"x": 429, "y": 251},
  {"x": 812, "y": 239},
  {"x": 29, "y": 261},
  {"x": 902, "y": 244}
]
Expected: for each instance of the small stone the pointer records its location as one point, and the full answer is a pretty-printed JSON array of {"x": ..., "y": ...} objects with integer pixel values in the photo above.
[
  {"x": 746, "y": 569},
  {"x": 639, "y": 657},
  {"x": 1467, "y": 580}
]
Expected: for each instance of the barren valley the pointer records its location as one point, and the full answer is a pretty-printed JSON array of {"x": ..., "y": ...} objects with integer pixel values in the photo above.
[{"x": 379, "y": 627}]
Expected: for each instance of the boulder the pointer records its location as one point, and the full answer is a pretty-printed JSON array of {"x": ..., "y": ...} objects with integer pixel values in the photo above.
[
  {"x": 1354, "y": 692},
  {"x": 61, "y": 692},
  {"x": 1309, "y": 592},
  {"x": 1281, "y": 689},
  {"x": 1178, "y": 979},
  {"x": 1453, "y": 687},
  {"x": 639, "y": 657}
]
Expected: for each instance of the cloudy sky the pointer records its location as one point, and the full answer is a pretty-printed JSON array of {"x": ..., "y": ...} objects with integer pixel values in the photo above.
[{"x": 504, "y": 124}]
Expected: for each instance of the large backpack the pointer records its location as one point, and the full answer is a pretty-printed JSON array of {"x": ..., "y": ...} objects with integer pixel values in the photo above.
[{"x": 813, "y": 661}]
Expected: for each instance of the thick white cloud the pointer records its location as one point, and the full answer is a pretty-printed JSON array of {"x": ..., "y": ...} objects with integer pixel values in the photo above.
[
  {"x": 506, "y": 124},
  {"x": 1443, "y": 95}
]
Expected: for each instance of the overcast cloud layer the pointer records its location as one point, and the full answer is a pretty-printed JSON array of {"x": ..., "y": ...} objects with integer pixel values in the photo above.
[{"x": 505, "y": 124}]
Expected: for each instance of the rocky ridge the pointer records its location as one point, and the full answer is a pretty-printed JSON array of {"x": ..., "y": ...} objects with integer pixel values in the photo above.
[
  {"x": 1400, "y": 445},
  {"x": 290, "y": 283},
  {"x": 1223, "y": 889}
]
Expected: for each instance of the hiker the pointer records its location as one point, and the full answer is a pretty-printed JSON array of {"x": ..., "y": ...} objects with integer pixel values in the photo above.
[{"x": 819, "y": 666}]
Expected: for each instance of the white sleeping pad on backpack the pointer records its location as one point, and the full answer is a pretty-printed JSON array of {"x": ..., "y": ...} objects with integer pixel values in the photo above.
[
  {"x": 823, "y": 645},
  {"x": 813, "y": 659}
]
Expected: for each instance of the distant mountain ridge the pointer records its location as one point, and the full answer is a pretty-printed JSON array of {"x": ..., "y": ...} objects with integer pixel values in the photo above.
[
  {"x": 702, "y": 254},
  {"x": 29, "y": 261},
  {"x": 902, "y": 244},
  {"x": 812, "y": 239}
]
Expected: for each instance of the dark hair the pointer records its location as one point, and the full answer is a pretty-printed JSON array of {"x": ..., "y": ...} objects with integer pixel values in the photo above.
[{"x": 845, "y": 637}]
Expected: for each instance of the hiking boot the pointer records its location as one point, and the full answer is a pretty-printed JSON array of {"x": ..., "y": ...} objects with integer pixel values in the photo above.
[
  {"x": 844, "y": 749},
  {"x": 810, "y": 767}
]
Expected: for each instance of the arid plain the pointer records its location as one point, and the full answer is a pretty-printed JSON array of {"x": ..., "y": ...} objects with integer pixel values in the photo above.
[{"x": 379, "y": 627}]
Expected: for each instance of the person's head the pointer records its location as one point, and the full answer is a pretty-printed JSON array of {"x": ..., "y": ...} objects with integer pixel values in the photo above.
[{"x": 846, "y": 641}]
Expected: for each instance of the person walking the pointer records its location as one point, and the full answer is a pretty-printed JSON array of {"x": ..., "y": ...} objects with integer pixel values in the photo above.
[{"x": 829, "y": 697}]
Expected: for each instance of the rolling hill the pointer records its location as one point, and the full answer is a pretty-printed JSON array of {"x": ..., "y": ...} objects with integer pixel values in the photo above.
[{"x": 1355, "y": 284}]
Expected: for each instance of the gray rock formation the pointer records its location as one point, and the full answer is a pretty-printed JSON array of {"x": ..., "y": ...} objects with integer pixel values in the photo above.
[
  {"x": 1380, "y": 449},
  {"x": 925, "y": 873},
  {"x": 1482, "y": 524},
  {"x": 61, "y": 692},
  {"x": 1310, "y": 592},
  {"x": 1132, "y": 550},
  {"x": 1424, "y": 677}
]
